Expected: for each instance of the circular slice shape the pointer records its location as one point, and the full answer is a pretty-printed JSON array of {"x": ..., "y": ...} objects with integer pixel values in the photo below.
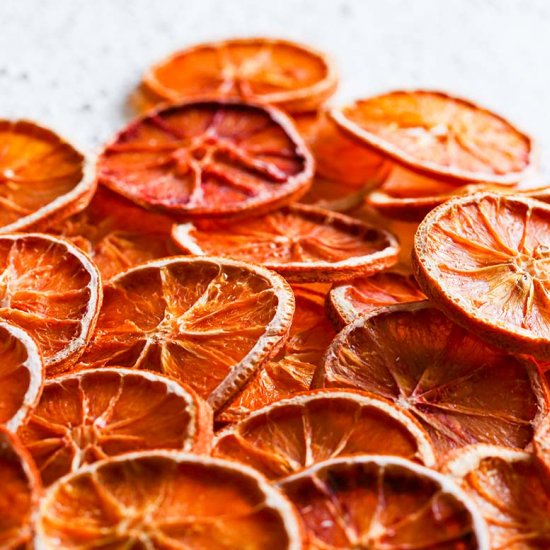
[
  {"x": 208, "y": 159},
  {"x": 303, "y": 243},
  {"x": 292, "y": 434},
  {"x": 383, "y": 502},
  {"x": 51, "y": 290},
  {"x": 461, "y": 390},
  {"x": 509, "y": 491},
  {"x": 485, "y": 259},
  {"x": 437, "y": 134},
  {"x": 43, "y": 178},
  {"x": 164, "y": 499},
  {"x": 207, "y": 322},
  {"x": 91, "y": 415}
]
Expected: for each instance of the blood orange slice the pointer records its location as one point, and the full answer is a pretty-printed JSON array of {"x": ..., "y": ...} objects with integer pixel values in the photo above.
[
  {"x": 509, "y": 491},
  {"x": 161, "y": 500},
  {"x": 383, "y": 502},
  {"x": 51, "y": 290},
  {"x": 206, "y": 322},
  {"x": 461, "y": 390},
  {"x": 436, "y": 134},
  {"x": 303, "y": 243},
  {"x": 91, "y": 415}
]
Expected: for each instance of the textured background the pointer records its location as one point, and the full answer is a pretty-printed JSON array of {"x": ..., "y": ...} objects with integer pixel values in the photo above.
[{"x": 71, "y": 64}]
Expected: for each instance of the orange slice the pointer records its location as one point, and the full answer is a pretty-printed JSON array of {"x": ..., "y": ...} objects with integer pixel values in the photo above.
[
  {"x": 283, "y": 73},
  {"x": 484, "y": 260},
  {"x": 303, "y": 243},
  {"x": 52, "y": 291},
  {"x": 334, "y": 195},
  {"x": 383, "y": 502},
  {"x": 43, "y": 178},
  {"x": 206, "y": 322},
  {"x": 509, "y": 491},
  {"x": 292, "y": 434},
  {"x": 306, "y": 123},
  {"x": 461, "y": 390},
  {"x": 436, "y": 134},
  {"x": 208, "y": 159},
  {"x": 91, "y": 415},
  {"x": 161, "y": 500}
]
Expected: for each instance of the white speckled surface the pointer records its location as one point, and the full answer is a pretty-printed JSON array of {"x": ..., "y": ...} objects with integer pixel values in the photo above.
[{"x": 71, "y": 64}]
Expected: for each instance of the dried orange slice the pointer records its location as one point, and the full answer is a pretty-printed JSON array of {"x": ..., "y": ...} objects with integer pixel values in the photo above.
[
  {"x": 334, "y": 195},
  {"x": 510, "y": 492},
  {"x": 292, "y": 434},
  {"x": 484, "y": 259},
  {"x": 208, "y": 159},
  {"x": 91, "y": 415},
  {"x": 44, "y": 178},
  {"x": 207, "y": 322},
  {"x": 51, "y": 290},
  {"x": 461, "y": 390},
  {"x": 436, "y": 134},
  {"x": 165, "y": 499},
  {"x": 292, "y": 76},
  {"x": 383, "y": 502},
  {"x": 303, "y": 243},
  {"x": 19, "y": 495},
  {"x": 306, "y": 123}
]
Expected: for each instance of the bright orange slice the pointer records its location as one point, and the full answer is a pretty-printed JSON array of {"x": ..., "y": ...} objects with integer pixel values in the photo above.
[
  {"x": 208, "y": 159},
  {"x": 436, "y": 134},
  {"x": 303, "y": 243},
  {"x": 383, "y": 502},
  {"x": 292, "y": 434},
  {"x": 52, "y": 291},
  {"x": 161, "y": 500},
  {"x": 461, "y": 390},
  {"x": 289, "y": 75},
  {"x": 43, "y": 178},
  {"x": 306, "y": 123},
  {"x": 510, "y": 492},
  {"x": 207, "y": 322},
  {"x": 484, "y": 259},
  {"x": 91, "y": 415}
]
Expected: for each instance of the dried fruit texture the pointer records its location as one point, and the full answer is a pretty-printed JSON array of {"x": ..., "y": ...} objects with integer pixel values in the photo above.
[
  {"x": 461, "y": 390},
  {"x": 303, "y": 243},
  {"x": 484, "y": 260},
  {"x": 509, "y": 491},
  {"x": 161, "y": 500},
  {"x": 306, "y": 123},
  {"x": 436, "y": 134},
  {"x": 292, "y": 369},
  {"x": 334, "y": 195},
  {"x": 43, "y": 177},
  {"x": 542, "y": 430},
  {"x": 292, "y": 76},
  {"x": 383, "y": 502},
  {"x": 208, "y": 159},
  {"x": 117, "y": 234},
  {"x": 208, "y": 323},
  {"x": 52, "y": 291},
  {"x": 293, "y": 434},
  {"x": 91, "y": 415}
]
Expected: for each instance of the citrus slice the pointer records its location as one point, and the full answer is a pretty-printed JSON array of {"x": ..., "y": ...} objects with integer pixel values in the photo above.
[
  {"x": 542, "y": 430},
  {"x": 43, "y": 178},
  {"x": 306, "y": 123},
  {"x": 509, "y": 491},
  {"x": 383, "y": 502},
  {"x": 208, "y": 159},
  {"x": 19, "y": 495},
  {"x": 117, "y": 234},
  {"x": 292, "y": 434},
  {"x": 484, "y": 260},
  {"x": 51, "y": 290},
  {"x": 292, "y": 76},
  {"x": 91, "y": 415},
  {"x": 436, "y": 134},
  {"x": 207, "y": 322},
  {"x": 164, "y": 499},
  {"x": 334, "y": 195},
  {"x": 461, "y": 390},
  {"x": 363, "y": 295},
  {"x": 303, "y": 243}
]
